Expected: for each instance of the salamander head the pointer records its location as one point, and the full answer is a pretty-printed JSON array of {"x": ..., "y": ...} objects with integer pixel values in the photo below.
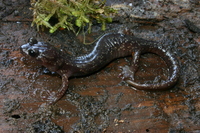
[{"x": 43, "y": 53}]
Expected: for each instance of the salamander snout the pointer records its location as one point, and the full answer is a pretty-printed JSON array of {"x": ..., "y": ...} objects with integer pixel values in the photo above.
[
  {"x": 44, "y": 53},
  {"x": 29, "y": 49},
  {"x": 33, "y": 48}
]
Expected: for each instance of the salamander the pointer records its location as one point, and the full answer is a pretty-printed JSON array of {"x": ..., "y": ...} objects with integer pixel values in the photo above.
[{"x": 109, "y": 47}]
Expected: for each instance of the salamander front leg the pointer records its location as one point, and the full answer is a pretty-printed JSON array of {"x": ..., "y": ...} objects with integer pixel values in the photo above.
[
  {"x": 128, "y": 72},
  {"x": 55, "y": 96}
]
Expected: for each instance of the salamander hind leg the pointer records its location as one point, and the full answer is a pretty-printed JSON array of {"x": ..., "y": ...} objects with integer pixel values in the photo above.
[{"x": 128, "y": 72}]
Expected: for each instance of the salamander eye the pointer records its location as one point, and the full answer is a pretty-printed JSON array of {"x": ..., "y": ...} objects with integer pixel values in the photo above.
[
  {"x": 33, "y": 53},
  {"x": 32, "y": 41}
]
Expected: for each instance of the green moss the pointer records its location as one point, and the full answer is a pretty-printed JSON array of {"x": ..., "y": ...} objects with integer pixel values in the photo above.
[{"x": 70, "y": 13}]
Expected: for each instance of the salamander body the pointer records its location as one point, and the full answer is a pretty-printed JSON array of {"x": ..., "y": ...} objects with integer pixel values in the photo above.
[{"x": 110, "y": 46}]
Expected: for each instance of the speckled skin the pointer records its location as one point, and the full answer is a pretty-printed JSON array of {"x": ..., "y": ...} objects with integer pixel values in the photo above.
[{"x": 108, "y": 47}]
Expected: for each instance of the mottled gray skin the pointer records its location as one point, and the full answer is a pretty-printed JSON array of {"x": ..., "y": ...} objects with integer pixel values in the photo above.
[{"x": 108, "y": 47}]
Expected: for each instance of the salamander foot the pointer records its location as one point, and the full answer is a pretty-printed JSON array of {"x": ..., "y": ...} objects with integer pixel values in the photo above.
[{"x": 126, "y": 73}]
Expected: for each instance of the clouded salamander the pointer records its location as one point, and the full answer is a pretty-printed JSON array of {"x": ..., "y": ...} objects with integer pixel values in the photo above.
[{"x": 110, "y": 46}]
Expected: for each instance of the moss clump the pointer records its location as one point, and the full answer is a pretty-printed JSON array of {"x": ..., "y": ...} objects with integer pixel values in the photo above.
[{"x": 70, "y": 13}]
